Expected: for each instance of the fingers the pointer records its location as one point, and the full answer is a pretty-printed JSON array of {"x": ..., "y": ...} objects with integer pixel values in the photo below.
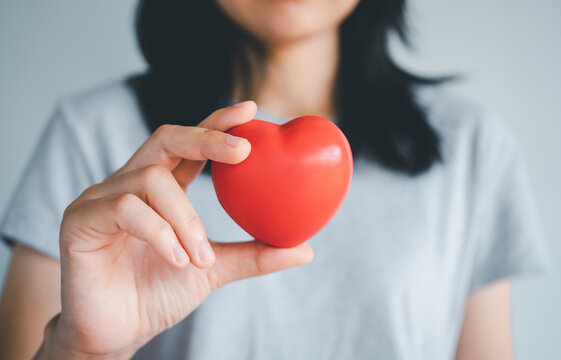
[
  {"x": 221, "y": 120},
  {"x": 171, "y": 143},
  {"x": 148, "y": 175},
  {"x": 157, "y": 187},
  {"x": 228, "y": 117},
  {"x": 214, "y": 145},
  {"x": 237, "y": 261},
  {"x": 114, "y": 215}
]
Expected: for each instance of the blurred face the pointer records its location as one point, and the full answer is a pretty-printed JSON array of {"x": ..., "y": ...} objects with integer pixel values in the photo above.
[{"x": 280, "y": 21}]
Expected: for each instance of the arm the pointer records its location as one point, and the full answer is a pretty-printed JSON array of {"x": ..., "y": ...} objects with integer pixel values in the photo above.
[
  {"x": 31, "y": 297},
  {"x": 486, "y": 332}
]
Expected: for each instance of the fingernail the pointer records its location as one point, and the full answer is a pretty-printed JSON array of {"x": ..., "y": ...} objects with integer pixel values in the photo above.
[
  {"x": 206, "y": 254},
  {"x": 234, "y": 140},
  {"x": 242, "y": 103},
  {"x": 180, "y": 255}
]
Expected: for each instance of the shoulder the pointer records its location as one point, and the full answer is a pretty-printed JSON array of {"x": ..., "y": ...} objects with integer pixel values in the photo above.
[
  {"x": 105, "y": 105},
  {"x": 464, "y": 126},
  {"x": 105, "y": 123}
]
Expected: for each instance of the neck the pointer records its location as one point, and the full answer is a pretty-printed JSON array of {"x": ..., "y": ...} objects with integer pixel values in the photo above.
[{"x": 299, "y": 77}]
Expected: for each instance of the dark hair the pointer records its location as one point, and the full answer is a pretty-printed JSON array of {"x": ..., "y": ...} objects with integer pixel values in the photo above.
[{"x": 191, "y": 47}]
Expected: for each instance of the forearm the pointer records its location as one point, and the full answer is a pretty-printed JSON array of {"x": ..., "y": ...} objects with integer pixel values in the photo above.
[
  {"x": 31, "y": 297},
  {"x": 487, "y": 331}
]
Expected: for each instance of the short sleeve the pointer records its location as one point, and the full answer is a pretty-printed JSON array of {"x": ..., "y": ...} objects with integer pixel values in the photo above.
[
  {"x": 505, "y": 228},
  {"x": 56, "y": 175}
]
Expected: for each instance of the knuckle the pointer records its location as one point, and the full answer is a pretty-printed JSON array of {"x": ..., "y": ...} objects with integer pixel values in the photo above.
[
  {"x": 165, "y": 230},
  {"x": 205, "y": 135},
  {"x": 153, "y": 173},
  {"x": 124, "y": 203},
  {"x": 70, "y": 209},
  {"x": 163, "y": 130},
  {"x": 195, "y": 227},
  {"x": 212, "y": 141},
  {"x": 192, "y": 221},
  {"x": 74, "y": 217},
  {"x": 216, "y": 113},
  {"x": 79, "y": 203},
  {"x": 90, "y": 191}
]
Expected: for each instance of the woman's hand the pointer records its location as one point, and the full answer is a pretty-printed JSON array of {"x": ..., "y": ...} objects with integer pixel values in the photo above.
[{"x": 135, "y": 258}]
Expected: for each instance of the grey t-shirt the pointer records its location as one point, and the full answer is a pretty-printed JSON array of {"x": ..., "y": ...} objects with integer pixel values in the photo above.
[{"x": 392, "y": 270}]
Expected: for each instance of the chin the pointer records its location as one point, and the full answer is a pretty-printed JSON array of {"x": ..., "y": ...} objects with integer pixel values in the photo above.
[
  {"x": 287, "y": 25},
  {"x": 279, "y": 21}
]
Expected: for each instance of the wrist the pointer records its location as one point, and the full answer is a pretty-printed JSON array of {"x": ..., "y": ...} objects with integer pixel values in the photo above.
[{"x": 57, "y": 346}]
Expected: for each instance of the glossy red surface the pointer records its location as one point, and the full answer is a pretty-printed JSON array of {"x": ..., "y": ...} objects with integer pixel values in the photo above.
[{"x": 291, "y": 184}]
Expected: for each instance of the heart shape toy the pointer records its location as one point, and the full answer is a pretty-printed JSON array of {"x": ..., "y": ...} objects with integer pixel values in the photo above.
[{"x": 291, "y": 184}]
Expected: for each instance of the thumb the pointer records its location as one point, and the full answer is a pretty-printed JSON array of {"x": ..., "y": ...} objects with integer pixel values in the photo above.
[{"x": 235, "y": 261}]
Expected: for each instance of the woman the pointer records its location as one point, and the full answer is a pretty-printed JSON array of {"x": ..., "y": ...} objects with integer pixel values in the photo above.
[{"x": 415, "y": 265}]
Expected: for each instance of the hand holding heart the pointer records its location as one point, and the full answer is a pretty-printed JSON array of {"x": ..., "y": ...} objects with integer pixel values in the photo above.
[{"x": 135, "y": 258}]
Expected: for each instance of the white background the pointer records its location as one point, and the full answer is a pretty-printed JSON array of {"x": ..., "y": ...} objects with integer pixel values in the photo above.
[{"x": 508, "y": 52}]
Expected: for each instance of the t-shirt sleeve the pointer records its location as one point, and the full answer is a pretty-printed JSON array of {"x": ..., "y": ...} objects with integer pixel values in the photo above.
[
  {"x": 56, "y": 175},
  {"x": 505, "y": 226}
]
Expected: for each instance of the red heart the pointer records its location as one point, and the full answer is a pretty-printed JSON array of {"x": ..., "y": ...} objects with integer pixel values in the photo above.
[{"x": 291, "y": 184}]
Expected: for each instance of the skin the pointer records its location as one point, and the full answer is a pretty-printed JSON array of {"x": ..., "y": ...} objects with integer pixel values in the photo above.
[
  {"x": 301, "y": 39},
  {"x": 486, "y": 332},
  {"x": 135, "y": 238},
  {"x": 130, "y": 248}
]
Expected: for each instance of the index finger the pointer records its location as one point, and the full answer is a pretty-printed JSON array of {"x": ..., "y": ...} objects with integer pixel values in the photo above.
[{"x": 186, "y": 148}]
